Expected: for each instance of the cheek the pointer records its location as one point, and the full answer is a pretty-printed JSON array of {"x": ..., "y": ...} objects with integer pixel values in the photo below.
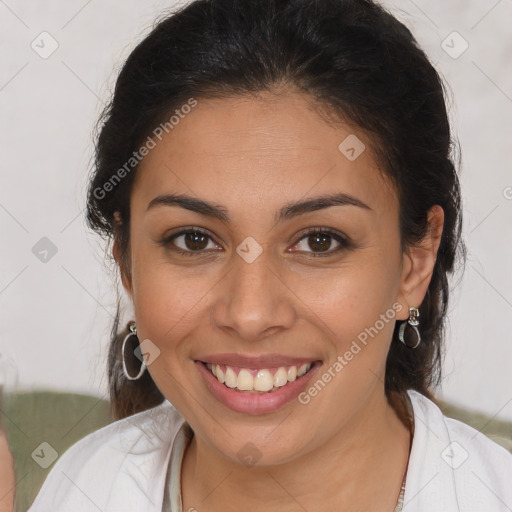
[
  {"x": 351, "y": 300},
  {"x": 168, "y": 300}
]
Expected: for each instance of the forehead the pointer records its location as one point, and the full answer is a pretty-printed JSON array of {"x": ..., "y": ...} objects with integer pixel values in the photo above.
[{"x": 248, "y": 151}]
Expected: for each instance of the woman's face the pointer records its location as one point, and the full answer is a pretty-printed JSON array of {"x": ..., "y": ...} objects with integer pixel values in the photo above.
[{"x": 253, "y": 290}]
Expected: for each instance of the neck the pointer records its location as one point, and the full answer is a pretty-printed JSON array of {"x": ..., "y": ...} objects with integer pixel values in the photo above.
[{"x": 360, "y": 468}]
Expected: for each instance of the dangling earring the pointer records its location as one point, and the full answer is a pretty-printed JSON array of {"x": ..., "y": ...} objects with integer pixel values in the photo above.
[
  {"x": 413, "y": 322},
  {"x": 132, "y": 327}
]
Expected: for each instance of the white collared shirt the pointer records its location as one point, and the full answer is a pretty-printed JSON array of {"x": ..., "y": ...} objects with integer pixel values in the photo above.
[{"x": 123, "y": 467}]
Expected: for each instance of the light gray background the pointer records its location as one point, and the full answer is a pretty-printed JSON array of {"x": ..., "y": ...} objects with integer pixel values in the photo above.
[{"x": 55, "y": 316}]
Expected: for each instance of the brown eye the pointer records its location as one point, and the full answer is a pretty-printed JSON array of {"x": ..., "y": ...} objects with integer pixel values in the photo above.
[
  {"x": 190, "y": 241},
  {"x": 195, "y": 241},
  {"x": 321, "y": 242}
]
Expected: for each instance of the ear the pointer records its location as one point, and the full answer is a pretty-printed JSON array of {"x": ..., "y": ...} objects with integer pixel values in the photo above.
[
  {"x": 117, "y": 254},
  {"x": 418, "y": 264}
]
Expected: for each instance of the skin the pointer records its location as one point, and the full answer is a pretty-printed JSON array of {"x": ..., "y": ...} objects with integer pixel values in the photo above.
[{"x": 253, "y": 155}]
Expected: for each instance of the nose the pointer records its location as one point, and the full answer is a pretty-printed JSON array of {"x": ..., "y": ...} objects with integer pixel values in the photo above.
[{"x": 253, "y": 301}]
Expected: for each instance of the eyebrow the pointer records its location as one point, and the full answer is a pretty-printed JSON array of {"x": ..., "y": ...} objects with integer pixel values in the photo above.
[{"x": 285, "y": 213}]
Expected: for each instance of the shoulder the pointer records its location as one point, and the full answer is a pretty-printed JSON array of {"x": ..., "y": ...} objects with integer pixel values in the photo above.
[
  {"x": 480, "y": 445},
  {"x": 454, "y": 460},
  {"x": 130, "y": 455}
]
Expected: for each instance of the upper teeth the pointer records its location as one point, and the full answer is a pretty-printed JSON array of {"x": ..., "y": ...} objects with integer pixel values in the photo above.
[{"x": 257, "y": 380}]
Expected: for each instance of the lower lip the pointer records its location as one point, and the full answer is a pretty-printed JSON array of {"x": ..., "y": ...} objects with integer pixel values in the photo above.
[{"x": 255, "y": 403}]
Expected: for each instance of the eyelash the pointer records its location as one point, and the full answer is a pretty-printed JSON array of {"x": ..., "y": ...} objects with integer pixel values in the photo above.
[
  {"x": 343, "y": 241},
  {"x": 167, "y": 241}
]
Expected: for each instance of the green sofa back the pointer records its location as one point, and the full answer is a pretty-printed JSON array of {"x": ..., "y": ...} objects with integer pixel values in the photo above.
[{"x": 41, "y": 425}]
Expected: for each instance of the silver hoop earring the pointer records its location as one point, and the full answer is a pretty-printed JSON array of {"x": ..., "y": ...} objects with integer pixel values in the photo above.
[
  {"x": 413, "y": 322},
  {"x": 132, "y": 327}
]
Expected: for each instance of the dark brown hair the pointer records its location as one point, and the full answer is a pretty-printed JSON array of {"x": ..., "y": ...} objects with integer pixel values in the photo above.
[{"x": 352, "y": 57}]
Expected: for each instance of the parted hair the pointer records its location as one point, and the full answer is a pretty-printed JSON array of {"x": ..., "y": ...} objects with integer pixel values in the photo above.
[{"x": 353, "y": 58}]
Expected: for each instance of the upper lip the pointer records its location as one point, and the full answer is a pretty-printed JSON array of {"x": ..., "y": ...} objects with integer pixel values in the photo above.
[{"x": 262, "y": 361}]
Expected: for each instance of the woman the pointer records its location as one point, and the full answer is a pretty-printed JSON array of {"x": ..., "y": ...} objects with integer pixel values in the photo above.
[{"x": 276, "y": 179}]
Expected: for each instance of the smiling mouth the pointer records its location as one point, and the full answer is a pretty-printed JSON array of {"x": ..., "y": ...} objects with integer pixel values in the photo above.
[{"x": 262, "y": 380}]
